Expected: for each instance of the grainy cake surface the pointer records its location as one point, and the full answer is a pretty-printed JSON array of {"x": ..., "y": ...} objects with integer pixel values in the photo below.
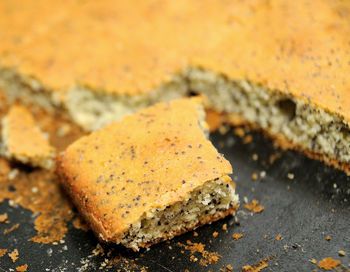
[
  {"x": 127, "y": 47},
  {"x": 23, "y": 141},
  {"x": 144, "y": 163}
]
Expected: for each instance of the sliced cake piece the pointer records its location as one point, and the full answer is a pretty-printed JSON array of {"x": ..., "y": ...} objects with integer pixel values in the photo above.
[
  {"x": 23, "y": 141},
  {"x": 149, "y": 177}
]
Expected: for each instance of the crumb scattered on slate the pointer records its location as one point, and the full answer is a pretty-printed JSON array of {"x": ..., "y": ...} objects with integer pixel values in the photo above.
[
  {"x": 254, "y": 206},
  {"x": 7, "y": 231},
  {"x": 14, "y": 255},
  {"x": 3, "y": 252},
  {"x": 22, "y": 268},
  {"x": 207, "y": 257},
  {"x": 328, "y": 263},
  {"x": 237, "y": 236},
  {"x": 3, "y": 217},
  {"x": 257, "y": 267}
]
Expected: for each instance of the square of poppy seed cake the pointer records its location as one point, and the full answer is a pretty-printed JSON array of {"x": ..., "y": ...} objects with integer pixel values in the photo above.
[{"x": 149, "y": 177}]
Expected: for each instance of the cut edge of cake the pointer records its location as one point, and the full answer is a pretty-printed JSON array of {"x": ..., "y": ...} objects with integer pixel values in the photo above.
[{"x": 293, "y": 122}]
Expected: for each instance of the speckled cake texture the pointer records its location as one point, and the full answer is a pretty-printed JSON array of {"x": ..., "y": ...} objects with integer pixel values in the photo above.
[
  {"x": 102, "y": 60},
  {"x": 149, "y": 177}
]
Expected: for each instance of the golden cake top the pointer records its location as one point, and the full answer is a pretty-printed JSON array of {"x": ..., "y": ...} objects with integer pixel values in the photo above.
[
  {"x": 148, "y": 160},
  {"x": 130, "y": 47},
  {"x": 23, "y": 138}
]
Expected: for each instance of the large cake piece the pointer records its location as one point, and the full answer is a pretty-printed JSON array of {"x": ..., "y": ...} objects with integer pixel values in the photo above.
[
  {"x": 149, "y": 177},
  {"x": 282, "y": 65}
]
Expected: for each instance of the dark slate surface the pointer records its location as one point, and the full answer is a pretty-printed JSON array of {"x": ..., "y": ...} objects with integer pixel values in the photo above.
[{"x": 304, "y": 210}]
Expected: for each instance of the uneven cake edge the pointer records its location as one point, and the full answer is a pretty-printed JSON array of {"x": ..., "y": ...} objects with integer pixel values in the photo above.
[
  {"x": 221, "y": 92},
  {"x": 283, "y": 142}
]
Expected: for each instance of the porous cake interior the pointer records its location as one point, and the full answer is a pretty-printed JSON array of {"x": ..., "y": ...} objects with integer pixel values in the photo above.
[
  {"x": 212, "y": 201},
  {"x": 303, "y": 124}
]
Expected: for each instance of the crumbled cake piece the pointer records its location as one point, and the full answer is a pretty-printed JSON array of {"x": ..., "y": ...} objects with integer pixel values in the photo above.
[
  {"x": 328, "y": 263},
  {"x": 149, "y": 177},
  {"x": 3, "y": 217},
  {"x": 341, "y": 253},
  {"x": 254, "y": 206},
  {"x": 22, "y": 268},
  {"x": 23, "y": 141},
  {"x": 14, "y": 255},
  {"x": 237, "y": 236}
]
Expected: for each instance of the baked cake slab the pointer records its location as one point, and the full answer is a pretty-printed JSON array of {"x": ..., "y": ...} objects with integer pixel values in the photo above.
[
  {"x": 282, "y": 65},
  {"x": 149, "y": 177}
]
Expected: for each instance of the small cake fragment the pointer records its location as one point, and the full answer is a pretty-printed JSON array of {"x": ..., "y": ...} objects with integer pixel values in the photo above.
[
  {"x": 149, "y": 177},
  {"x": 23, "y": 141}
]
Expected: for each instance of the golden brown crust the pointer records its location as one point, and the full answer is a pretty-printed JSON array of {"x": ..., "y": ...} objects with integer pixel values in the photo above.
[
  {"x": 149, "y": 160},
  {"x": 282, "y": 44}
]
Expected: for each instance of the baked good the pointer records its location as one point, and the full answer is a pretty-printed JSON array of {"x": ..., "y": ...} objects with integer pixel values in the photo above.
[
  {"x": 23, "y": 141},
  {"x": 150, "y": 176},
  {"x": 275, "y": 64}
]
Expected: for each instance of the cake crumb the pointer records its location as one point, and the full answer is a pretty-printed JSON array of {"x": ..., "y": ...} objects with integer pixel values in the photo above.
[
  {"x": 193, "y": 258},
  {"x": 254, "y": 176},
  {"x": 22, "y": 268},
  {"x": 247, "y": 139},
  {"x": 265, "y": 236},
  {"x": 254, "y": 206},
  {"x": 257, "y": 267},
  {"x": 263, "y": 174},
  {"x": 13, "y": 174},
  {"x": 279, "y": 237},
  {"x": 224, "y": 227},
  {"x": 255, "y": 157},
  {"x": 229, "y": 267},
  {"x": 328, "y": 238},
  {"x": 239, "y": 132},
  {"x": 195, "y": 234},
  {"x": 207, "y": 257},
  {"x": 3, "y": 217},
  {"x": 14, "y": 255},
  {"x": 3, "y": 252},
  {"x": 290, "y": 176},
  {"x": 237, "y": 236},
  {"x": 223, "y": 129},
  {"x": 328, "y": 263},
  {"x": 313, "y": 261},
  {"x": 7, "y": 231},
  {"x": 215, "y": 234},
  {"x": 78, "y": 223},
  {"x": 274, "y": 157},
  {"x": 341, "y": 253}
]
